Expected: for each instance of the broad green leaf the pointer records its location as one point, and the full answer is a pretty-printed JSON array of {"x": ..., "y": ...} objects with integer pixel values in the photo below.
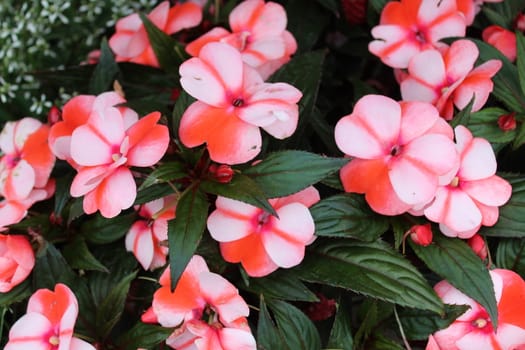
[
  {"x": 18, "y": 293},
  {"x": 164, "y": 173},
  {"x": 153, "y": 192},
  {"x": 378, "y": 5},
  {"x": 306, "y": 20},
  {"x": 419, "y": 324},
  {"x": 520, "y": 60},
  {"x": 347, "y": 215},
  {"x": 373, "y": 269},
  {"x": 370, "y": 314},
  {"x": 300, "y": 333},
  {"x": 51, "y": 268},
  {"x": 100, "y": 230},
  {"x": 143, "y": 335},
  {"x": 503, "y": 13},
  {"x": 511, "y": 255},
  {"x": 511, "y": 220},
  {"x": 463, "y": 116},
  {"x": 281, "y": 285},
  {"x": 169, "y": 52},
  {"x": 185, "y": 231},
  {"x": 110, "y": 309},
  {"x": 287, "y": 172},
  {"x": 454, "y": 260},
  {"x": 341, "y": 333},
  {"x": 484, "y": 123},
  {"x": 268, "y": 336},
  {"x": 506, "y": 82},
  {"x": 62, "y": 196},
  {"x": 105, "y": 72},
  {"x": 78, "y": 256},
  {"x": 241, "y": 188},
  {"x": 380, "y": 342}
]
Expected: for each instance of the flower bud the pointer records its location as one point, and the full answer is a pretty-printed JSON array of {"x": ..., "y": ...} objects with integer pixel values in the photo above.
[
  {"x": 322, "y": 309},
  {"x": 519, "y": 22},
  {"x": 221, "y": 173},
  {"x": 421, "y": 234},
  {"x": 54, "y": 115},
  {"x": 477, "y": 243},
  {"x": 507, "y": 122},
  {"x": 354, "y": 10}
]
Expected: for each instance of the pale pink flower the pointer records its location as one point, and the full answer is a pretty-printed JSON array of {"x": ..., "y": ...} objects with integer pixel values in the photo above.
[
  {"x": 233, "y": 102},
  {"x": 408, "y": 27},
  {"x": 470, "y": 8},
  {"x": 27, "y": 161},
  {"x": 16, "y": 260},
  {"x": 258, "y": 32},
  {"x": 471, "y": 193},
  {"x": 104, "y": 150},
  {"x": 449, "y": 79},
  {"x": 399, "y": 151},
  {"x": 147, "y": 237},
  {"x": 474, "y": 329},
  {"x": 130, "y": 41},
  {"x": 502, "y": 39},
  {"x": 48, "y": 323},
  {"x": 262, "y": 242},
  {"x": 76, "y": 112}
]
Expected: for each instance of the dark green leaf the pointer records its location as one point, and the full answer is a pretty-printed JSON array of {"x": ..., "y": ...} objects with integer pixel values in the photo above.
[
  {"x": 419, "y": 324},
  {"x": 143, "y": 335},
  {"x": 484, "y": 123},
  {"x": 454, "y": 260},
  {"x": 62, "y": 195},
  {"x": 341, "y": 333},
  {"x": 281, "y": 285},
  {"x": 287, "y": 172},
  {"x": 241, "y": 188},
  {"x": 268, "y": 336},
  {"x": 511, "y": 219},
  {"x": 378, "y": 5},
  {"x": 371, "y": 313},
  {"x": 520, "y": 60},
  {"x": 347, "y": 215},
  {"x": 185, "y": 231},
  {"x": 100, "y": 230},
  {"x": 164, "y": 173},
  {"x": 153, "y": 192},
  {"x": 380, "y": 342},
  {"x": 18, "y": 293},
  {"x": 506, "y": 82},
  {"x": 105, "y": 72},
  {"x": 306, "y": 20},
  {"x": 463, "y": 117},
  {"x": 78, "y": 256},
  {"x": 511, "y": 255},
  {"x": 373, "y": 269},
  {"x": 111, "y": 308},
  {"x": 51, "y": 268},
  {"x": 300, "y": 333},
  {"x": 169, "y": 51}
]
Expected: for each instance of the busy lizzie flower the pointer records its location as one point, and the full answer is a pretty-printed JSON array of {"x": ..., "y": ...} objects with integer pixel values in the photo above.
[
  {"x": 502, "y": 39},
  {"x": 471, "y": 193},
  {"x": 258, "y": 32},
  {"x": 146, "y": 236},
  {"x": 262, "y": 242},
  {"x": 48, "y": 323},
  {"x": 399, "y": 151},
  {"x": 130, "y": 41},
  {"x": 452, "y": 81},
  {"x": 408, "y": 27},
  {"x": 16, "y": 260},
  {"x": 104, "y": 177},
  {"x": 474, "y": 329},
  {"x": 233, "y": 102}
]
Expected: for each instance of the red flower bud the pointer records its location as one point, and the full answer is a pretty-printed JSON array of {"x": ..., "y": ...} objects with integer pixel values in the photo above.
[
  {"x": 221, "y": 173},
  {"x": 519, "y": 22},
  {"x": 354, "y": 10},
  {"x": 421, "y": 234},
  {"x": 54, "y": 115},
  {"x": 477, "y": 243},
  {"x": 321, "y": 310},
  {"x": 507, "y": 122}
]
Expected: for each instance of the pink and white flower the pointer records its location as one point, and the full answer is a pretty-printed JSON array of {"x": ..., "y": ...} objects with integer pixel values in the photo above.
[
  {"x": 471, "y": 193},
  {"x": 447, "y": 79},
  {"x": 408, "y": 27},
  {"x": 474, "y": 329},
  {"x": 147, "y": 237},
  {"x": 258, "y": 32},
  {"x": 48, "y": 323},
  {"x": 16, "y": 260},
  {"x": 502, "y": 39},
  {"x": 262, "y": 242},
  {"x": 399, "y": 151},
  {"x": 233, "y": 103}
]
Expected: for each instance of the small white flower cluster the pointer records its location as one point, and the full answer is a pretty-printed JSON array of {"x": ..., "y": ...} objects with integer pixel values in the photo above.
[{"x": 44, "y": 34}]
